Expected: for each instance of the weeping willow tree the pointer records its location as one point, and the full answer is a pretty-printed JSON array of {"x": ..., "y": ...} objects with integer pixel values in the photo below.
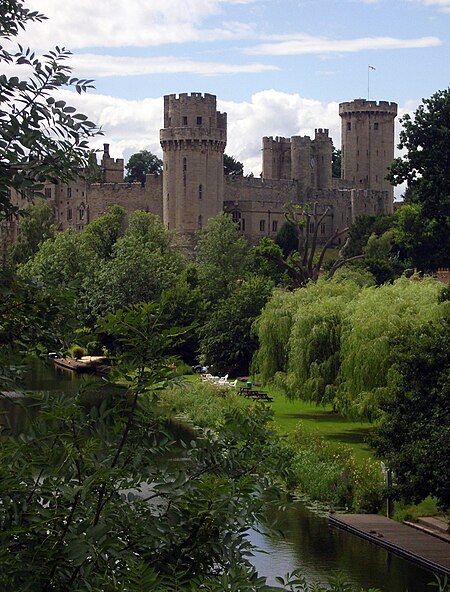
[
  {"x": 377, "y": 318},
  {"x": 299, "y": 336},
  {"x": 314, "y": 342},
  {"x": 273, "y": 329}
]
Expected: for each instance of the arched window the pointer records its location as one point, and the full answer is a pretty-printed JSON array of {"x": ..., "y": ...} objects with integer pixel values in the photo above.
[{"x": 236, "y": 217}]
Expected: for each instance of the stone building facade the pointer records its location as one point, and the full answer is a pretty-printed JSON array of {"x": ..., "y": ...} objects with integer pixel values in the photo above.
[{"x": 193, "y": 188}]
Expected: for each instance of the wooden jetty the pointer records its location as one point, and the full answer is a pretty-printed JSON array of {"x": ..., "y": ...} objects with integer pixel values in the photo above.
[
  {"x": 430, "y": 552},
  {"x": 84, "y": 364}
]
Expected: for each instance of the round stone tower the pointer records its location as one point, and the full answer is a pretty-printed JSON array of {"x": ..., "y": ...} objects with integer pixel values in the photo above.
[
  {"x": 193, "y": 142},
  {"x": 368, "y": 144}
]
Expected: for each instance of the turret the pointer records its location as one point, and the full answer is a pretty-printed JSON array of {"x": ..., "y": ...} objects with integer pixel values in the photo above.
[
  {"x": 368, "y": 144},
  {"x": 193, "y": 142}
]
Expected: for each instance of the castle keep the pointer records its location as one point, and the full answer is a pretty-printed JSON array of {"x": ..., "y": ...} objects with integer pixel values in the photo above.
[{"x": 193, "y": 188}]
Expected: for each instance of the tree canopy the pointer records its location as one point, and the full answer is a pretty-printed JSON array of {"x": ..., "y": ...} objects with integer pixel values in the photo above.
[
  {"x": 426, "y": 169},
  {"x": 232, "y": 167},
  {"x": 41, "y": 138},
  {"x": 142, "y": 163}
]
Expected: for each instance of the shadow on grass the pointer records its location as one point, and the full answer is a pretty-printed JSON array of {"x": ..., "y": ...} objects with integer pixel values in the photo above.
[
  {"x": 325, "y": 416},
  {"x": 355, "y": 436}
]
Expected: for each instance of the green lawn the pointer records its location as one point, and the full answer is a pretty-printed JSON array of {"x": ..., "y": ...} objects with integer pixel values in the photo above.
[
  {"x": 331, "y": 426},
  {"x": 319, "y": 419}
]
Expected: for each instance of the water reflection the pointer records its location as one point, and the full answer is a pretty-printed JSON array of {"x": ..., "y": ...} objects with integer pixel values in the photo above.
[
  {"x": 311, "y": 545},
  {"x": 308, "y": 543}
]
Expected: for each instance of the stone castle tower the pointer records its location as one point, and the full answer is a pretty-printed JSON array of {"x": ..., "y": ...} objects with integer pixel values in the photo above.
[
  {"x": 193, "y": 141},
  {"x": 368, "y": 144},
  {"x": 299, "y": 159}
]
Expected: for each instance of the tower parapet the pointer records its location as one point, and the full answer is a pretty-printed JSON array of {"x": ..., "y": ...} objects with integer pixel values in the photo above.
[
  {"x": 193, "y": 142},
  {"x": 368, "y": 144}
]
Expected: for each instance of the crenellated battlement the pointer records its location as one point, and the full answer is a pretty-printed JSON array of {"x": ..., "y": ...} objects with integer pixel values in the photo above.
[{"x": 364, "y": 106}]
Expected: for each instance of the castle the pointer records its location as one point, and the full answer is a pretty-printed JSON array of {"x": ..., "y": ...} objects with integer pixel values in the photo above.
[{"x": 193, "y": 187}]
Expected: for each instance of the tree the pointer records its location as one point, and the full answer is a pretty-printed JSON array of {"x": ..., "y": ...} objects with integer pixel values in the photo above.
[
  {"x": 226, "y": 339},
  {"x": 426, "y": 169},
  {"x": 41, "y": 138},
  {"x": 232, "y": 167},
  {"x": 221, "y": 257},
  {"x": 141, "y": 266},
  {"x": 37, "y": 225},
  {"x": 336, "y": 163},
  {"x": 302, "y": 265},
  {"x": 88, "y": 501},
  {"x": 414, "y": 436},
  {"x": 100, "y": 235},
  {"x": 140, "y": 164}
]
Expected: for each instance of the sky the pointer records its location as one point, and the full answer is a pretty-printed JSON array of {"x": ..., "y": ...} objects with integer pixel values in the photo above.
[{"x": 277, "y": 67}]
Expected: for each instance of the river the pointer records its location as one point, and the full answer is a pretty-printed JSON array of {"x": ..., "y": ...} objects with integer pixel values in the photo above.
[{"x": 308, "y": 542}]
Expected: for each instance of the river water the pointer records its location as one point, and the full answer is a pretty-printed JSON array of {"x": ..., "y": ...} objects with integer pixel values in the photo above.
[{"x": 307, "y": 543}]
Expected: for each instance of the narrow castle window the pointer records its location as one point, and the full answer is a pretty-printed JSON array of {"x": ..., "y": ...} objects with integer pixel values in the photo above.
[
  {"x": 349, "y": 126},
  {"x": 199, "y": 121},
  {"x": 69, "y": 213},
  {"x": 48, "y": 192},
  {"x": 185, "y": 164},
  {"x": 184, "y": 120},
  {"x": 375, "y": 125},
  {"x": 200, "y": 222},
  {"x": 274, "y": 225},
  {"x": 243, "y": 225},
  {"x": 262, "y": 225},
  {"x": 69, "y": 191},
  {"x": 323, "y": 228},
  {"x": 200, "y": 191},
  {"x": 236, "y": 217}
]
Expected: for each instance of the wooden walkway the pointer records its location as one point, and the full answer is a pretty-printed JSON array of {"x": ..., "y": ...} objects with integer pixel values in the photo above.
[{"x": 421, "y": 548}]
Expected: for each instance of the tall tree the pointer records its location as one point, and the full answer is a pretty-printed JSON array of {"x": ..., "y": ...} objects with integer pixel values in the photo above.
[
  {"x": 37, "y": 225},
  {"x": 414, "y": 437},
  {"x": 232, "y": 167},
  {"x": 222, "y": 255},
  {"x": 140, "y": 164},
  {"x": 40, "y": 137},
  {"x": 426, "y": 169}
]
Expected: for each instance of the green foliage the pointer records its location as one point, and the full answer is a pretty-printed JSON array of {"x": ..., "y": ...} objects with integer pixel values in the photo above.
[
  {"x": 222, "y": 255},
  {"x": 336, "y": 161},
  {"x": 425, "y": 167},
  {"x": 77, "y": 351},
  {"x": 226, "y": 340},
  {"x": 332, "y": 341},
  {"x": 140, "y": 164},
  {"x": 59, "y": 261},
  {"x": 37, "y": 225},
  {"x": 376, "y": 317},
  {"x": 315, "y": 339},
  {"x": 206, "y": 405},
  {"x": 287, "y": 238},
  {"x": 328, "y": 472},
  {"x": 100, "y": 235},
  {"x": 414, "y": 435},
  {"x": 266, "y": 260},
  {"x": 232, "y": 167},
  {"x": 41, "y": 138},
  {"x": 273, "y": 329},
  {"x": 141, "y": 267},
  {"x": 88, "y": 500},
  {"x": 362, "y": 229},
  {"x": 32, "y": 320}
]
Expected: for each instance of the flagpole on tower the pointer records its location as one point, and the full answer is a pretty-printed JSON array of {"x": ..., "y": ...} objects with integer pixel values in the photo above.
[{"x": 369, "y": 68}]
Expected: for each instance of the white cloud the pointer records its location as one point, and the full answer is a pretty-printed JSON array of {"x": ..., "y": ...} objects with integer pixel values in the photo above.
[
  {"x": 114, "y": 23},
  {"x": 443, "y": 5},
  {"x": 130, "y": 126},
  {"x": 107, "y": 65},
  {"x": 307, "y": 44}
]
